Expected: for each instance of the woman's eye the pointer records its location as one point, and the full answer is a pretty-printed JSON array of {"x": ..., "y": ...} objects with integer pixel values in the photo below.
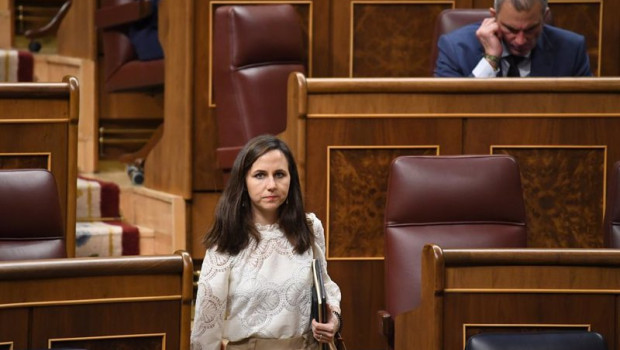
[{"x": 259, "y": 175}]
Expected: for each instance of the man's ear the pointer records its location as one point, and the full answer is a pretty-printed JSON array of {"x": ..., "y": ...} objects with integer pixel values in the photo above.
[
  {"x": 546, "y": 14},
  {"x": 493, "y": 13}
]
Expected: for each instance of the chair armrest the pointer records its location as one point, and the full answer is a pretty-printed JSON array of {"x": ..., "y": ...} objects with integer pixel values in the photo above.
[
  {"x": 386, "y": 327},
  {"x": 112, "y": 16},
  {"x": 52, "y": 26}
]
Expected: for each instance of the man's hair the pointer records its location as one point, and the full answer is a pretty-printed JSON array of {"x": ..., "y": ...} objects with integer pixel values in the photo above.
[{"x": 521, "y": 5}]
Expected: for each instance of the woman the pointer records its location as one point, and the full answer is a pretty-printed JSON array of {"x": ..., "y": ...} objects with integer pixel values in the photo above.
[{"x": 254, "y": 290}]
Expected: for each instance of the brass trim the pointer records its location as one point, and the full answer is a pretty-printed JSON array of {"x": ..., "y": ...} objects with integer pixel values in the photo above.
[
  {"x": 90, "y": 301},
  {"x": 104, "y": 130},
  {"x": 603, "y": 147},
  {"x": 109, "y": 141},
  {"x": 375, "y": 2},
  {"x": 95, "y": 219},
  {"x": 521, "y": 325},
  {"x": 35, "y": 121},
  {"x": 327, "y": 206},
  {"x": 460, "y": 115},
  {"x": 47, "y": 154},
  {"x": 309, "y": 3},
  {"x": 50, "y": 341},
  {"x": 9, "y": 343},
  {"x": 531, "y": 291}
]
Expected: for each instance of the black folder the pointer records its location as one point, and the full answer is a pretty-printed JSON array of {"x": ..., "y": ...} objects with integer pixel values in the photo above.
[{"x": 319, "y": 298}]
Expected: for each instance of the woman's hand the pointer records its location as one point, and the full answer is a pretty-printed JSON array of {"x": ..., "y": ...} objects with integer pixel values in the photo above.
[{"x": 325, "y": 332}]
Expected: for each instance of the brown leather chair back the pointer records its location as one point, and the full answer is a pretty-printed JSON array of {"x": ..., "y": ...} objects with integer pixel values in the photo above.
[
  {"x": 123, "y": 71},
  {"x": 255, "y": 48},
  {"x": 451, "y": 19},
  {"x": 452, "y": 201},
  {"x": 32, "y": 224},
  {"x": 612, "y": 211}
]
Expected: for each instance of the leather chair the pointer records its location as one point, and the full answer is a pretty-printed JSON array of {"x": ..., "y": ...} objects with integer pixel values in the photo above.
[
  {"x": 566, "y": 340},
  {"x": 611, "y": 236},
  {"x": 255, "y": 48},
  {"x": 453, "y": 201},
  {"x": 32, "y": 225},
  {"x": 123, "y": 70},
  {"x": 451, "y": 19}
]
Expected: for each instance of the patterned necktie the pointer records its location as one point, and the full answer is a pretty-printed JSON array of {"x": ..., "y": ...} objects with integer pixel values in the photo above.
[{"x": 513, "y": 63}]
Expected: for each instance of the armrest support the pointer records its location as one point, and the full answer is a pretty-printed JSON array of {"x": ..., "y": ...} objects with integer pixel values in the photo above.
[
  {"x": 112, "y": 16},
  {"x": 52, "y": 26}
]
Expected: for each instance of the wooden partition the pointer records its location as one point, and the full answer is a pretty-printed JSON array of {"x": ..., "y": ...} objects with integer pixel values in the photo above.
[
  {"x": 466, "y": 292},
  {"x": 97, "y": 303},
  {"x": 38, "y": 129},
  {"x": 563, "y": 133}
]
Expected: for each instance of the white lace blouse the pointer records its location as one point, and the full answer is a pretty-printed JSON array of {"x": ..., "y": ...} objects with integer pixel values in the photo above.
[{"x": 263, "y": 292}]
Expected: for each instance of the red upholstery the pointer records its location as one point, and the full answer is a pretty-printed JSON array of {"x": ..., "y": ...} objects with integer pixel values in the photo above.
[
  {"x": 25, "y": 67},
  {"x": 452, "y": 201},
  {"x": 123, "y": 70},
  {"x": 31, "y": 217},
  {"x": 612, "y": 212},
  {"x": 255, "y": 48},
  {"x": 451, "y": 19}
]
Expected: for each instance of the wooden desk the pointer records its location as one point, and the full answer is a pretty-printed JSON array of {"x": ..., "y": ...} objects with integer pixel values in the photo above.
[
  {"x": 38, "y": 129},
  {"x": 562, "y": 131},
  {"x": 139, "y": 302},
  {"x": 471, "y": 291}
]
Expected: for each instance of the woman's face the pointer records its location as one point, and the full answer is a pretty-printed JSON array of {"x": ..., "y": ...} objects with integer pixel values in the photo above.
[{"x": 268, "y": 182}]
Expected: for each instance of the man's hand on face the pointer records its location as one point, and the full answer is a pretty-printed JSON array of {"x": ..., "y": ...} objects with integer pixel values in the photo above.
[{"x": 489, "y": 36}]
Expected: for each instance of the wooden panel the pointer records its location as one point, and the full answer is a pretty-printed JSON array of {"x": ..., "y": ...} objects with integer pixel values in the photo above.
[
  {"x": 140, "y": 341},
  {"x": 141, "y": 327},
  {"x": 382, "y": 33},
  {"x": 561, "y": 184},
  {"x": 361, "y": 285},
  {"x": 583, "y": 18},
  {"x": 357, "y": 180},
  {"x": 14, "y": 329},
  {"x": 52, "y": 68},
  {"x": 525, "y": 312},
  {"x": 203, "y": 213},
  {"x": 76, "y": 35},
  {"x": 168, "y": 166},
  {"x": 25, "y": 160}
]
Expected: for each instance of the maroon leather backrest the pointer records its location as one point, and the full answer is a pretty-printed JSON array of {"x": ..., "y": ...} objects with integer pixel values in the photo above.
[
  {"x": 452, "y": 201},
  {"x": 123, "y": 71},
  {"x": 254, "y": 50},
  {"x": 612, "y": 212},
  {"x": 30, "y": 214}
]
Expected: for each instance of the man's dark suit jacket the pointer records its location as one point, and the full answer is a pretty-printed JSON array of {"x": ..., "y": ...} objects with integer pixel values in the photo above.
[{"x": 558, "y": 53}]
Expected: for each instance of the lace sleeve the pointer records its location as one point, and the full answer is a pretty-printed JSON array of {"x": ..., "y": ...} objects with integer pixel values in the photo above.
[{"x": 211, "y": 301}]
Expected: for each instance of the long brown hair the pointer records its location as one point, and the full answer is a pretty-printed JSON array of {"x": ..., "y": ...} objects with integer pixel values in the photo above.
[{"x": 233, "y": 224}]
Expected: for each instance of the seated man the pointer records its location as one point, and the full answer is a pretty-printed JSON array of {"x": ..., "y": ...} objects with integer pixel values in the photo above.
[{"x": 514, "y": 41}]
